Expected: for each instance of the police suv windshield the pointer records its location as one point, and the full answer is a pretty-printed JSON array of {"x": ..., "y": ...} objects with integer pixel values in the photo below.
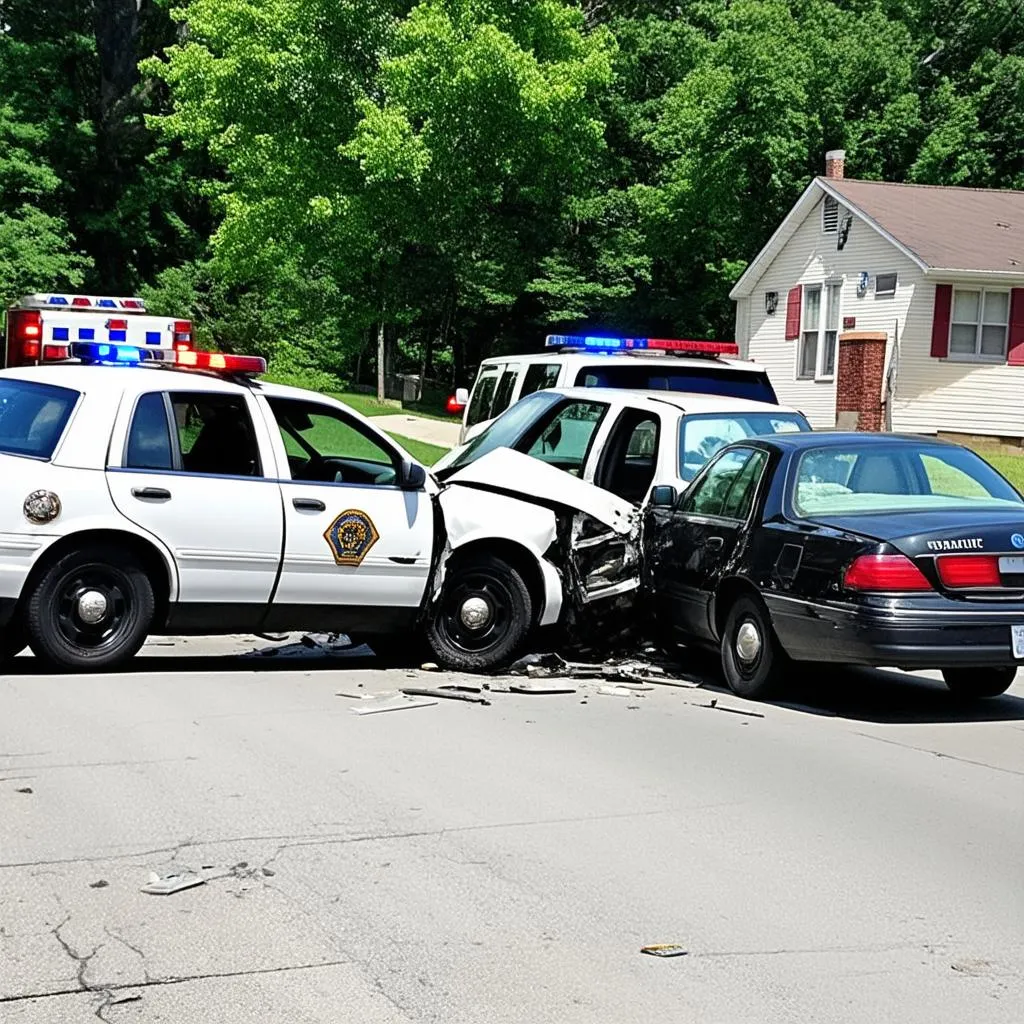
[
  {"x": 698, "y": 380},
  {"x": 33, "y": 417}
]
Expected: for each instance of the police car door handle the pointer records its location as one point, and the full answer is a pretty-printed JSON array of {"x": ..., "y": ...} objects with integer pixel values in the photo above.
[
  {"x": 715, "y": 543},
  {"x": 151, "y": 493},
  {"x": 309, "y": 505}
]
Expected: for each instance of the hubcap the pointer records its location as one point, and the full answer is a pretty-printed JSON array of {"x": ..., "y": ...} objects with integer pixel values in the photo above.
[
  {"x": 475, "y": 613},
  {"x": 748, "y": 642},
  {"x": 92, "y": 607}
]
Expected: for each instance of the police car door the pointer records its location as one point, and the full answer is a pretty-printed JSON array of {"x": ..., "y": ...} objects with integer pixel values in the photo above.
[
  {"x": 196, "y": 469},
  {"x": 357, "y": 546}
]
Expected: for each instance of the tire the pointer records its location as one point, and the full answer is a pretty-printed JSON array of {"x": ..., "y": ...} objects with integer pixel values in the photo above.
[
  {"x": 57, "y": 632},
  {"x": 748, "y": 627},
  {"x": 506, "y": 604},
  {"x": 979, "y": 682}
]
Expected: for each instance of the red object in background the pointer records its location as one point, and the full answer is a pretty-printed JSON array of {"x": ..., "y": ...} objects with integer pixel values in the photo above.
[
  {"x": 454, "y": 408},
  {"x": 849, "y": 323}
]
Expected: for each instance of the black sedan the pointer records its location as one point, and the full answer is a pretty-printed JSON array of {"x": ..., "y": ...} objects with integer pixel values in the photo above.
[{"x": 858, "y": 549}]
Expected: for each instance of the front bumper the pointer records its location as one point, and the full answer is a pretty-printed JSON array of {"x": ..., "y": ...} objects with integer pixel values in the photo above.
[{"x": 915, "y": 634}]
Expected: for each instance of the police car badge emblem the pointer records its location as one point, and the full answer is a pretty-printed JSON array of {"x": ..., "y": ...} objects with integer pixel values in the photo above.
[{"x": 351, "y": 536}]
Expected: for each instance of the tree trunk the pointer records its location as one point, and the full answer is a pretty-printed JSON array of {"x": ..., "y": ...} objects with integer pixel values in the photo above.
[{"x": 381, "y": 361}]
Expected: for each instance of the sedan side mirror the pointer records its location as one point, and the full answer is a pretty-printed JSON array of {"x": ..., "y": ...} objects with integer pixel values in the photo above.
[
  {"x": 664, "y": 496},
  {"x": 411, "y": 476}
]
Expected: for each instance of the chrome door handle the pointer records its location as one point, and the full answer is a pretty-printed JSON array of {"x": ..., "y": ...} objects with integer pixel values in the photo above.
[
  {"x": 715, "y": 543},
  {"x": 309, "y": 505},
  {"x": 151, "y": 493}
]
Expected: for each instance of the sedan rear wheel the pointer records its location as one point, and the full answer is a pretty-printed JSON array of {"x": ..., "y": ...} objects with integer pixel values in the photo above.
[
  {"x": 979, "y": 682},
  {"x": 751, "y": 656}
]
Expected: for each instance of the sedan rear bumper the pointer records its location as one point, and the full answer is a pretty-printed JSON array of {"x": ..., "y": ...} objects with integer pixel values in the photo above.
[{"x": 917, "y": 638}]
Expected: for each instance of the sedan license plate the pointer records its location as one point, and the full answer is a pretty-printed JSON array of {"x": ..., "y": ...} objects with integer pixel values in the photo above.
[
  {"x": 1012, "y": 566},
  {"x": 1017, "y": 635}
]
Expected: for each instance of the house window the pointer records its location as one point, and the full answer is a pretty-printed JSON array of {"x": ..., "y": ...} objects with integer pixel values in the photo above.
[
  {"x": 885, "y": 286},
  {"x": 820, "y": 335},
  {"x": 830, "y": 215},
  {"x": 979, "y": 325}
]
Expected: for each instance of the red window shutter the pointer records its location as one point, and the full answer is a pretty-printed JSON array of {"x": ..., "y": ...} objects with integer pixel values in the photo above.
[
  {"x": 940, "y": 320},
  {"x": 1015, "y": 355},
  {"x": 793, "y": 312}
]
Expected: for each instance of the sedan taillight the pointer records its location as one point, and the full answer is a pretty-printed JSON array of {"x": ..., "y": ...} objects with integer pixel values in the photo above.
[
  {"x": 969, "y": 570},
  {"x": 884, "y": 574}
]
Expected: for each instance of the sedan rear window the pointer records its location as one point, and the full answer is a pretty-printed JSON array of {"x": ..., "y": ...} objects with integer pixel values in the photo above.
[
  {"x": 698, "y": 380},
  {"x": 882, "y": 478},
  {"x": 33, "y": 417}
]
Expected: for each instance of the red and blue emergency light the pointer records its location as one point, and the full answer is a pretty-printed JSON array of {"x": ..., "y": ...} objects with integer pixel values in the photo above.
[
  {"x": 134, "y": 355},
  {"x": 679, "y": 346}
]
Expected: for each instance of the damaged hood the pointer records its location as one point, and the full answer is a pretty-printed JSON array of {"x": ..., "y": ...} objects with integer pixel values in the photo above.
[{"x": 504, "y": 471}]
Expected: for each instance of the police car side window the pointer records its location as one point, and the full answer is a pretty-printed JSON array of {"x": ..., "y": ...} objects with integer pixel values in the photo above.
[
  {"x": 149, "y": 439},
  {"x": 215, "y": 434},
  {"x": 708, "y": 497},
  {"x": 324, "y": 446}
]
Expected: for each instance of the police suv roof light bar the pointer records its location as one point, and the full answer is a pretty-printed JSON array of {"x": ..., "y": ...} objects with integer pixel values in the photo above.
[
  {"x": 675, "y": 346},
  {"x": 135, "y": 355}
]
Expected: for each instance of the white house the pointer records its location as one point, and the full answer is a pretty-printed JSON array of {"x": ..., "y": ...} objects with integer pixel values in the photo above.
[{"x": 890, "y": 306}]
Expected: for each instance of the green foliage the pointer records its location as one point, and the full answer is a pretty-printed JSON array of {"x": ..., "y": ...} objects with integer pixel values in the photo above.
[{"x": 293, "y": 174}]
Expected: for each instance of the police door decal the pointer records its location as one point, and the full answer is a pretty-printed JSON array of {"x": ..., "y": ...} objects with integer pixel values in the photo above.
[{"x": 351, "y": 536}]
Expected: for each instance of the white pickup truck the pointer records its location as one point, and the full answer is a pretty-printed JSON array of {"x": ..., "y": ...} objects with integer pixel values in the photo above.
[{"x": 155, "y": 491}]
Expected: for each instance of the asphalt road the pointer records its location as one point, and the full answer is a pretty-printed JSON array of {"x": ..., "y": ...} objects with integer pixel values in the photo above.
[{"x": 859, "y": 861}]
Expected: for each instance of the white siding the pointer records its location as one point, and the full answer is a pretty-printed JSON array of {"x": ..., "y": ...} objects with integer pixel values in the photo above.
[
  {"x": 810, "y": 257},
  {"x": 937, "y": 394}
]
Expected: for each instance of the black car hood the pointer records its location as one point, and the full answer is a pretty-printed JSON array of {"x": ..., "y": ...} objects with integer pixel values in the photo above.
[{"x": 921, "y": 533}]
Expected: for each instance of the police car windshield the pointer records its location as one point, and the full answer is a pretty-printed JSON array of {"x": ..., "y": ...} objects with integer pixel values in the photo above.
[
  {"x": 862, "y": 479},
  {"x": 699, "y": 380},
  {"x": 505, "y": 431},
  {"x": 33, "y": 417}
]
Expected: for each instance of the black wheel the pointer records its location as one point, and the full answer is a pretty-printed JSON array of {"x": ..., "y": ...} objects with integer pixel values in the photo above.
[
  {"x": 482, "y": 617},
  {"x": 90, "y": 610},
  {"x": 13, "y": 640},
  {"x": 751, "y": 656},
  {"x": 979, "y": 682}
]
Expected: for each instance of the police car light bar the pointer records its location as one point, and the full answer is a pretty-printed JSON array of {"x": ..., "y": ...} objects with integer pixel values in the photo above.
[
  {"x": 133, "y": 355},
  {"x": 677, "y": 345}
]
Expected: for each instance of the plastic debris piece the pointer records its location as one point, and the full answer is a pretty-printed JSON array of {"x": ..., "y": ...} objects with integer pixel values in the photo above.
[
  {"x": 445, "y": 693},
  {"x": 100, "y": 883},
  {"x": 429, "y": 666},
  {"x": 664, "y": 949},
  {"x": 170, "y": 884},
  {"x": 268, "y": 872},
  {"x": 123, "y": 997},
  {"x": 616, "y": 691},
  {"x": 715, "y": 706},
  {"x": 353, "y": 695},
  {"x": 397, "y": 702},
  {"x": 553, "y": 663},
  {"x": 24, "y": 789},
  {"x": 538, "y": 686}
]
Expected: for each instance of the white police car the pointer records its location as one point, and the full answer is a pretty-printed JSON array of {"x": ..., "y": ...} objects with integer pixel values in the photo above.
[{"x": 151, "y": 491}]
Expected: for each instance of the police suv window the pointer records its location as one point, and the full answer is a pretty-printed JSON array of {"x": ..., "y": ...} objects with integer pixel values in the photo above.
[
  {"x": 215, "y": 434},
  {"x": 480, "y": 403},
  {"x": 503, "y": 392},
  {"x": 325, "y": 446},
  {"x": 539, "y": 377}
]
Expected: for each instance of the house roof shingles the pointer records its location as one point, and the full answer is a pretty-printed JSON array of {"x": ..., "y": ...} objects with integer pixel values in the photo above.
[{"x": 949, "y": 228}]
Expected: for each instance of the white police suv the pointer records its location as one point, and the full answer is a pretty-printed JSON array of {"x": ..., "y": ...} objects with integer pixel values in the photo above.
[{"x": 164, "y": 490}]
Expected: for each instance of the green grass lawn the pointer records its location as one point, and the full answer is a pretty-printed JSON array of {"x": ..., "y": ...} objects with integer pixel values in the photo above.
[
  {"x": 428, "y": 454},
  {"x": 1011, "y": 466},
  {"x": 369, "y": 406}
]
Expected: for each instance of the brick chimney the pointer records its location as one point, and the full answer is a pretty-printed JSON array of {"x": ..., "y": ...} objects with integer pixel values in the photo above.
[{"x": 835, "y": 160}]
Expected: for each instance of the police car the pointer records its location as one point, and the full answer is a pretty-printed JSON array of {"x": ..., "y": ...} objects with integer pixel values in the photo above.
[
  {"x": 644, "y": 364},
  {"x": 155, "y": 490}
]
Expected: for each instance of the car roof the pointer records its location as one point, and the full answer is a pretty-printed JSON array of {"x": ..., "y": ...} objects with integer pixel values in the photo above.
[
  {"x": 692, "y": 403},
  {"x": 848, "y": 438},
  {"x": 626, "y": 359}
]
